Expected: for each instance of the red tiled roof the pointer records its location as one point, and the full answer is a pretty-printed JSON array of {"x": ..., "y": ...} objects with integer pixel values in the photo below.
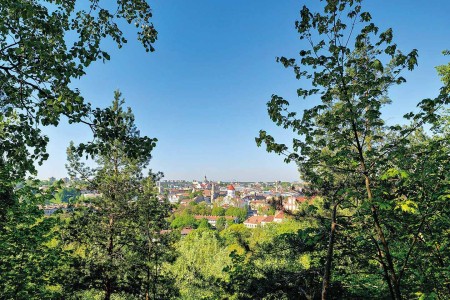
[
  {"x": 268, "y": 219},
  {"x": 186, "y": 231},
  {"x": 255, "y": 219},
  {"x": 279, "y": 215},
  {"x": 230, "y": 187},
  {"x": 301, "y": 199}
]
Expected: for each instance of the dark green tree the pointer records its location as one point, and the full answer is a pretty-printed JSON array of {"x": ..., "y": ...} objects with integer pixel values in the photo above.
[
  {"x": 44, "y": 46},
  {"x": 152, "y": 248},
  {"x": 221, "y": 223},
  {"x": 118, "y": 233},
  {"x": 66, "y": 194},
  {"x": 31, "y": 252},
  {"x": 343, "y": 144},
  {"x": 240, "y": 213}
]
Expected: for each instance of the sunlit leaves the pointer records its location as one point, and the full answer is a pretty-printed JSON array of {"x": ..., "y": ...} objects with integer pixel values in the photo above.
[
  {"x": 349, "y": 156},
  {"x": 44, "y": 46}
]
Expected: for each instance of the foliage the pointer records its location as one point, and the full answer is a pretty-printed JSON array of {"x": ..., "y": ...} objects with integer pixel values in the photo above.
[
  {"x": 278, "y": 261},
  {"x": 203, "y": 223},
  {"x": 66, "y": 195},
  {"x": 31, "y": 254},
  {"x": 236, "y": 237},
  {"x": 221, "y": 223},
  {"x": 194, "y": 208},
  {"x": 195, "y": 194},
  {"x": 444, "y": 71},
  {"x": 151, "y": 248},
  {"x": 183, "y": 220},
  {"x": 350, "y": 156},
  {"x": 198, "y": 268},
  {"x": 218, "y": 211},
  {"x": 240, "y": 213},
  {"x": 44, "y": 46},
  {"x": 117, "y": 236}
]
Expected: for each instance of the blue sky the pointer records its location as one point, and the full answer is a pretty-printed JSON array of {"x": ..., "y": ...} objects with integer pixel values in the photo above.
[{"x": 203, "y": 93}]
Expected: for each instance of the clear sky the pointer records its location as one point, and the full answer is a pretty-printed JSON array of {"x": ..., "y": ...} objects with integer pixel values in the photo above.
[{"x": 203, "y": 93}]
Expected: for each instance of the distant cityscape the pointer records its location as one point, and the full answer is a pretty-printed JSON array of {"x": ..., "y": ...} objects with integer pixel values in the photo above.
[{"x": 263, "y": 202}]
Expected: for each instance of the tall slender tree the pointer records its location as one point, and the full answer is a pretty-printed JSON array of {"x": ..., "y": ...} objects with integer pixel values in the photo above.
[{"x": 343, "y": 142}]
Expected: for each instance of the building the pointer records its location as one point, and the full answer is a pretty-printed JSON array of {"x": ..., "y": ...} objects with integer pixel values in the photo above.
[
  {"x": 231, "y": 191},
  {"x": 293, "y": 203},
  {"x": 279, "y": 217},
  {"x": 266, "y": 220},
  {"x": 254, "y": 221}
]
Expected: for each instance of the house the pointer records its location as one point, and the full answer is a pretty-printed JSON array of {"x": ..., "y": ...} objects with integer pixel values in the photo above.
[
  {"x": 255, "y": 204},
  {"x": 279, "y": 216},
  {"x": 173, "y": 198},
  {"x": 254, "y": 221},
  {"x": 268, "y": 219},
  {"x": 292, "y": 203},
  {"x": 185, "y": 231}
]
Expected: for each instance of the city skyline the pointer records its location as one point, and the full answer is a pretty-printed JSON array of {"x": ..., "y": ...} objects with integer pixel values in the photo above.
[{"x": 203, "y": 93}]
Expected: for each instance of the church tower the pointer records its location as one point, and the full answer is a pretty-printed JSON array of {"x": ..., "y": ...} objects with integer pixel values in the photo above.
[{"x": 231, "y": 192}]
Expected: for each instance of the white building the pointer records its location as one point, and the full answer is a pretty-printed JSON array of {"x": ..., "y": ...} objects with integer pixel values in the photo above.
[{"x": 231, "y": 191}]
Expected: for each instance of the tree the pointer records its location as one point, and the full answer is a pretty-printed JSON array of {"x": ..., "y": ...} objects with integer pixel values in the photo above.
[
  {"x": 183, "y": 220},
  {"x": 203, "y": 223},
  {"x": 279, "y": 262},
  {"x": 195, "y": 194},
  {"x": 444, "y": 70},
  {"x": 199, "y": 266},
  {"x": 67, "y": 194},
  {"x": 117, "y": 234},
  {"x": 153, "y": 248},
  {"x": 31, "y": 252},
  {"x": 44, "y": 46},
  {"x": 240, "y": 213},
  {"x": 218, "y": 211},
  {"x": 38, "y": 62},
  {"x": 221, "y": 223},
  {"x": 418, "y": 186},
  {"x": 343, "y": 143}
]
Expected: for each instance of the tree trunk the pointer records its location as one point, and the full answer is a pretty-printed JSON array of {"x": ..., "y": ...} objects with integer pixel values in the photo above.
[
  {"x": 108, "y": 291},
  {"x": 108, "y": 284},
  {"x": 386, "y": 254},
  {"x": 328, "y": 264}
]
